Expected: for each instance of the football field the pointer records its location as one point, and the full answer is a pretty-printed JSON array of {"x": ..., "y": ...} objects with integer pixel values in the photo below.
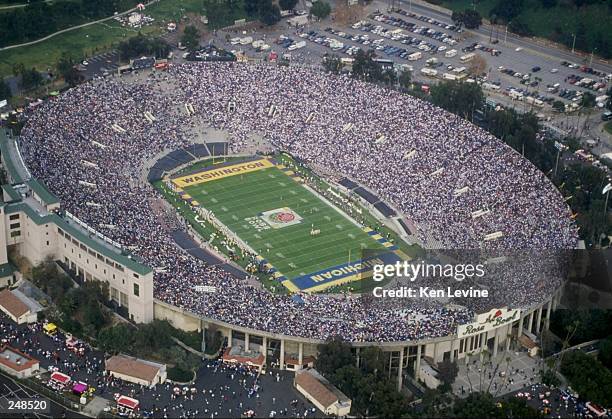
[{"x": 292, "y": 228}]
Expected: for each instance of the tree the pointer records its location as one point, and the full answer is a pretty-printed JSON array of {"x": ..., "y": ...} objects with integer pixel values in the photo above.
[
  {"x": 462, "y": 99},
  {"x": 457, "y": 18},
  {"x": 478, "y": 65},
  {"x": 507, "y": 10},
  {"x": 476, "y": 405},
  {"x": 191, "y": 38},
  {"x": 18, "y": 69},
  {"x": 605, "y": 352},
  {"x": 66, "y": 69},
  {"x": 68, "y": 304},
  {"x": 153, "y": 336},
  {"x": 389, "y": 77},
  {"x": 520, "y": 27},
  {"x": 31, "y": 79},
  {"x": 365, "y": 68},
  {"x": 588, "y": 100},
  {"x": 287, "y": 4},
  {"x": 270, "y": 15},
  {"x": 213, "y": 339},
  {"x": 332, "y": 63},
  {"x": 558, "y": 106},
  {"x": 116, "y": 338},
  {"x": 447, "y": 372},
  {"x": 251, "y": 7},
  {"x": 333, "y": 354},
  {"x": 471, "y": 19},
  {"x": 93, "y": 315},
  {"x": 405, "y": 79},
  {"x": 588, "y": 377},
  {"x": 321, "y": 9},
  {"x": 5, "y": 90}
]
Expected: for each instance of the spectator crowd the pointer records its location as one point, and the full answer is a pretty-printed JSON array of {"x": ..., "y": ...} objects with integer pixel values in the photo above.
[{"x": 438, "y": 169}]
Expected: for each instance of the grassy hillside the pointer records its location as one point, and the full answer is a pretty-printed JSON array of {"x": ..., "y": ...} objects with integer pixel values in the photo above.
[{"x": 557, "y": 20}]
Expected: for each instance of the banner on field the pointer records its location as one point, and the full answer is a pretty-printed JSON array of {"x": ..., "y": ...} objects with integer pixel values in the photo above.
[{"x": 222, "y": 172}]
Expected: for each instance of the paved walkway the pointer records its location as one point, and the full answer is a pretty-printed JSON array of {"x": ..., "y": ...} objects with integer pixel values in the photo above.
[
  {"x": 507, "y": 373},
  {"x": 95, "y": 406}
]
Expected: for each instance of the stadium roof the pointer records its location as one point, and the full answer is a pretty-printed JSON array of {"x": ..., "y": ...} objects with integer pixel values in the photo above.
[
  {"x": 42, "y": 191},
  {"x": 79, "y": 235},
  {"x": 10, "y": 164}
]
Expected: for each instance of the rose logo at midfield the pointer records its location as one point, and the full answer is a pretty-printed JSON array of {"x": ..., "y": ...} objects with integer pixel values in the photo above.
[
  {"x": 280, "y": 217},
  {"x": 283, "y": 217}
]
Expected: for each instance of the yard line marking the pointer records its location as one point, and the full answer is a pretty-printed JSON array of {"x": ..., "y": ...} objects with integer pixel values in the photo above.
[
  {"x": 327, "y": 217},
  {"x": 339, "y": 227},
  {"x": 224, "y": 209},
  {"x": 282, "y": 183},
  {"x": 214, "y": 200},
  {"x": 268, "y": 245},
  {"x": 351, "y": 235}
]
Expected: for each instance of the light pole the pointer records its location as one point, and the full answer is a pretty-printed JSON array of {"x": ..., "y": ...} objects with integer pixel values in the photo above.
[
  {"x": 506, "y": 35},
  {"x": 591, "y": 60},
  {"x": 606, "y": 191},
  {"x": 573, "y": 42}
]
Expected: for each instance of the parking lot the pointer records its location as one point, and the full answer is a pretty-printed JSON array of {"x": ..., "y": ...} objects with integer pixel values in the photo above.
[{"x": 433, "y": 50}]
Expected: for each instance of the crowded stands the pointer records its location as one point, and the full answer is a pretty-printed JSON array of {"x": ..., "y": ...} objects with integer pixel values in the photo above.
[{"x": 459, "y": 186}]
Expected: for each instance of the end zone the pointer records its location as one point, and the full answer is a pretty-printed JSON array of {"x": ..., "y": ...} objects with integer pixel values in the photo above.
[{"x": 214, "y": 173}]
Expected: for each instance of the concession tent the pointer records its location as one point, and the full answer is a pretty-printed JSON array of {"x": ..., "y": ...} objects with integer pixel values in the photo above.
[
  {"x": 59, "y": 380},
  {"x": 79, "y": 388},
  {"x": 127, "y": 405}
]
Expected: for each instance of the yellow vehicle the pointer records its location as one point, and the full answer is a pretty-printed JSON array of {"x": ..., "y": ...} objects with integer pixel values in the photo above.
[{"x": 50, "y": 329}]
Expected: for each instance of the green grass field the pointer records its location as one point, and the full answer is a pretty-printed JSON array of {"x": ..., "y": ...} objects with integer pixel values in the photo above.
[
  {"x": 94, "y": 39},
  {"x": 546, "y": 22},
  {"x": 290, "y": 249}
]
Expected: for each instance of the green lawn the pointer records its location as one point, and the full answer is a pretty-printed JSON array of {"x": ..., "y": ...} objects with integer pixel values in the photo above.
[
  {"x": 236, "y": 200},
  {"x": 608, "y": 127},
  {"x": 562, "y": 18},
  {"x": 93, "y": 39}
]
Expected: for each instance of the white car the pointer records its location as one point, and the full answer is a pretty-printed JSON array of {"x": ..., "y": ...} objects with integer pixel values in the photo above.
[
  {"x": 85, "y": 62},
  {"x": 442, "y": 48},
  {"x": 554, "y": 70},
  {"x": 518, "y": 49}
]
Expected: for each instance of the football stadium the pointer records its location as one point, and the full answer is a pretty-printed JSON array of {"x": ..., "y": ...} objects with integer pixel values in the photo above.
[{"x": 241, "y": 197}]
